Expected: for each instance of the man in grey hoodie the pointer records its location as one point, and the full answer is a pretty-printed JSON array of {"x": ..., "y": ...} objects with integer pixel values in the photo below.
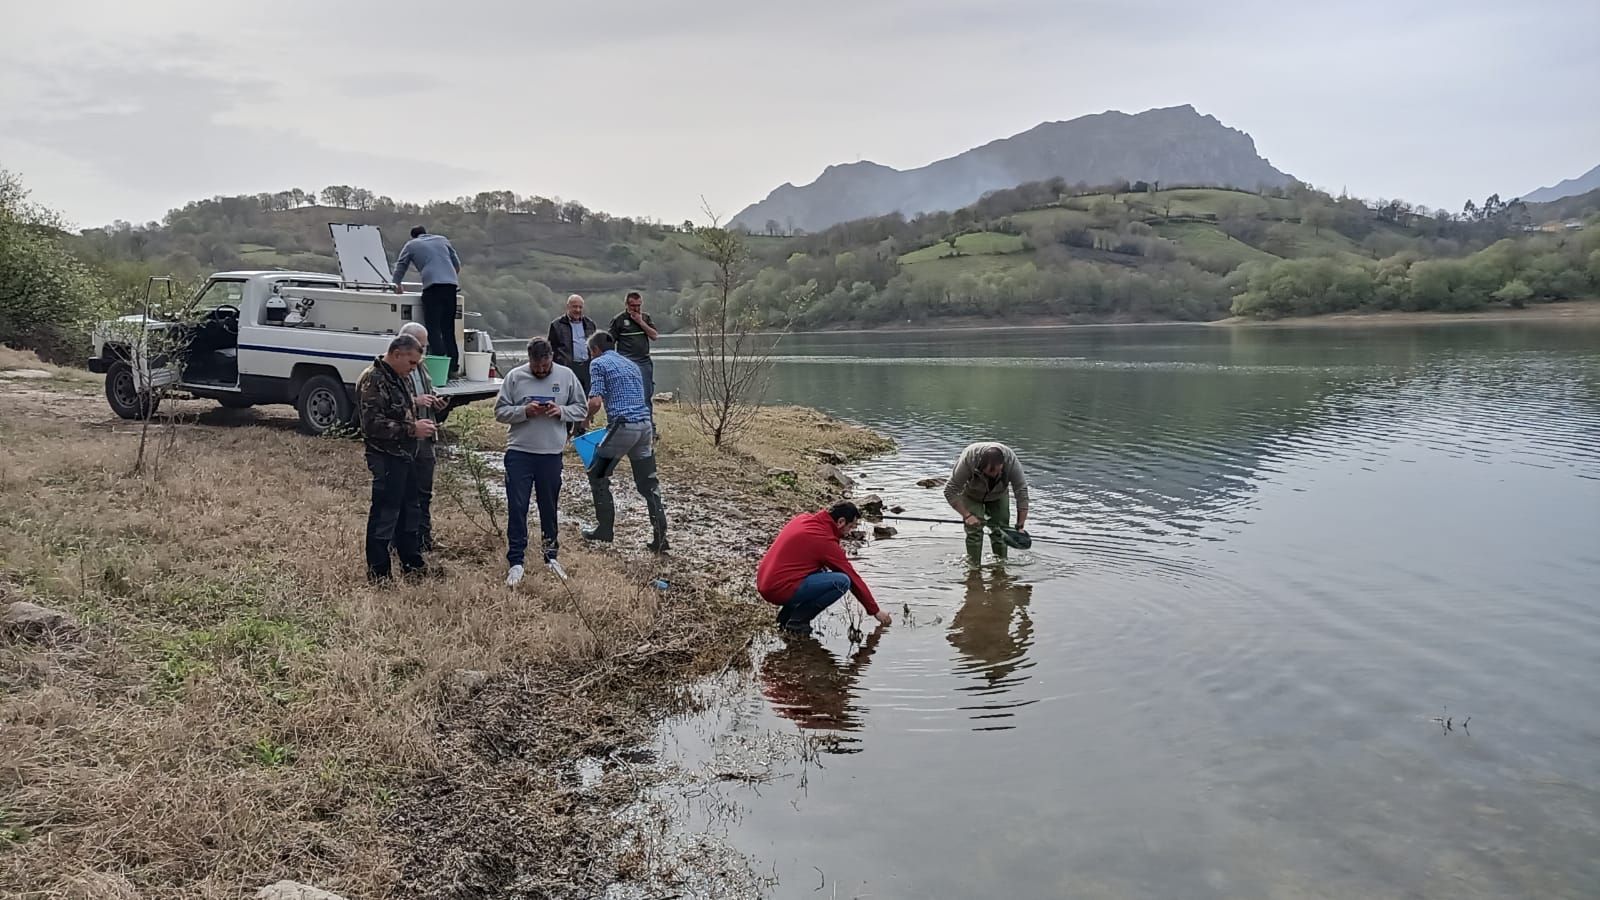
[
  {"x": 537, "y": 400},
  {"x": 440, "y": 270}
]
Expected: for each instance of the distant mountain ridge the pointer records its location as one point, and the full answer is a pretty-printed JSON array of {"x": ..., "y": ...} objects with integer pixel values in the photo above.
[
  {"x": 1571, "y": 187},
  {"x": 1172, "y": 145}
]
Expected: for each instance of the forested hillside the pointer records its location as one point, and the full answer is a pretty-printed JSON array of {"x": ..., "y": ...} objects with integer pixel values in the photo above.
[
  {"x": 1038, "y": 252},
  {"x": 520, "y": 256},
  {"x": 1144, "y": 252}
]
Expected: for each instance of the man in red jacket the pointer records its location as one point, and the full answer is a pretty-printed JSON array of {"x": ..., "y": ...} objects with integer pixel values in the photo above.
[{"x": 805, "y": 569}]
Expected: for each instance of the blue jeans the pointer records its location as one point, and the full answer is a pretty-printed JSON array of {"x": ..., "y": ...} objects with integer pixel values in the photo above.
[
  {"x": 538, "y": 474},
  {"x": 816, "y": 593}
]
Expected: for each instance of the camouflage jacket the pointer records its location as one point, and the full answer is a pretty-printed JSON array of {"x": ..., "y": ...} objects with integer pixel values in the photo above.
[{"x": 387, "y": 409}]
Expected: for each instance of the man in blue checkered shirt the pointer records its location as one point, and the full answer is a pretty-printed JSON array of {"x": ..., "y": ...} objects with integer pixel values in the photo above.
[{"x": 616, "y": 382}]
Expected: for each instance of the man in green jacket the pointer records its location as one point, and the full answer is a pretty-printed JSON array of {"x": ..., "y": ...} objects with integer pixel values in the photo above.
[
  {"x": 984, "y": 476},
  {"x": 390, "y": 427}
]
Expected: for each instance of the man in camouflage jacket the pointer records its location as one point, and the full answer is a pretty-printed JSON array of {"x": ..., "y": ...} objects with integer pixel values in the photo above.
[{"x": 390, "y": 428}]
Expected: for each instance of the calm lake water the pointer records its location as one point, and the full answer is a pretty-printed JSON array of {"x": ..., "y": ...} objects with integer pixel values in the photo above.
[{"x": 1265, "y": 560}]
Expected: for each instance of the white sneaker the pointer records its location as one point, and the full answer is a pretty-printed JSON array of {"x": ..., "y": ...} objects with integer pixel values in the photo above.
[{"x": 514, "y": 577}]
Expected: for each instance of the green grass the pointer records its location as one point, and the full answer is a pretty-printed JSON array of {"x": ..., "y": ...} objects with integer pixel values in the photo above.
[
  {"x": 1204, "y": 202},
  {"x": 1297, "y": 241},
  {"x": 981, "y": 243},
  {"x": 955, "y": 266},
  {"x": 261, "y": 255},
  {"x": 1052, "y": 216},
  {"x": 1199, "y": 242}
]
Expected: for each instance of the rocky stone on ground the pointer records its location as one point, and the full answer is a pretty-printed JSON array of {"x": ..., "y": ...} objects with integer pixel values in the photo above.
[
  {"x": 856, "y": 535},
  {"x": 30, "y": 621},
  {"x": 830, "y": 455},
  {"x": 884, "y": 531},
  {"x": 294, "y": 890},
  {"x": 29, "y": 374},
  {"x": 930, "y": 482},
  {"x": 463, "y": 683},
  {"x": 837, "y": 476},
  {"x": 871, "y": 503},
  {"x": 663, "y": 397},
  {"x": 897, "y": 510}
]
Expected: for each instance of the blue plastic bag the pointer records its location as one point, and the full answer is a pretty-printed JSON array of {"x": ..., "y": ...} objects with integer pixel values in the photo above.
[{"x": 587, "y": 443}]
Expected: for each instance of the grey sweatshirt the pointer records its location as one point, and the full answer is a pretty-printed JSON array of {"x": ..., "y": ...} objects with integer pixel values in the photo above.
[
  {"x": 967, "y": 482},
  {"x": 435, "y": 259},
  {"x": 540, "y": 434}
]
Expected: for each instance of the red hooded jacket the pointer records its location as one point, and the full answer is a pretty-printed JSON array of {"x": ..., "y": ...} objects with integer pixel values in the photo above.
[{"x": 806, "y": 545}]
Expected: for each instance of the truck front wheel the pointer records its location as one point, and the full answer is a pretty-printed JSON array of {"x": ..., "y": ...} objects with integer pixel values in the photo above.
[
  {"x": 323, "y": 404},
  {"x": 122, "y": 392}
]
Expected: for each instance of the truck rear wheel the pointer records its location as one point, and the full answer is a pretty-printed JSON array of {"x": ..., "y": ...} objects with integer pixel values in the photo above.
[
  {"x": 324, "y": 404},
  {"x": 123, "y": 394}
]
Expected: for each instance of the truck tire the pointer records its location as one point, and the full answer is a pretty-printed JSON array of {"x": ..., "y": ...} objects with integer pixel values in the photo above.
[
  {"x": 324, "y": 404},
  {"x": 123, "y": 394}
]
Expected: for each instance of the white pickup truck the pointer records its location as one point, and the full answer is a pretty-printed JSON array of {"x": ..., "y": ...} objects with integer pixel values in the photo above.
[{"x": 273, "y": 338}]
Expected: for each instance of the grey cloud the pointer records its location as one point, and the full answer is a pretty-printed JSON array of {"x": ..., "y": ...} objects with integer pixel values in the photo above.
[{"x": 171, "y": 131}]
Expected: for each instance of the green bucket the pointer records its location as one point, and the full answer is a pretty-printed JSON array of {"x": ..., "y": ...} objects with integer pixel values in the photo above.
[{"x": 438, "y": 369}]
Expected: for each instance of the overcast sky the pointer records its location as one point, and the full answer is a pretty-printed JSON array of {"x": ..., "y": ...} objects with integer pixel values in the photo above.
[{"x": 123, "y": 110}]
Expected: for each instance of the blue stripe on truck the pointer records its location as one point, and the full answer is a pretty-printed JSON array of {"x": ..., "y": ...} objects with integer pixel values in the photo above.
[{"x": 327, "y": 354}]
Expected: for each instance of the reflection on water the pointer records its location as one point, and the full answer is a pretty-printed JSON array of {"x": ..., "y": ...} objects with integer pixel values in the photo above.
[
  {"x": 1264, "y": 561},
  {"x": 992, "y": 632},
  {"x": 809, "y": 686}
]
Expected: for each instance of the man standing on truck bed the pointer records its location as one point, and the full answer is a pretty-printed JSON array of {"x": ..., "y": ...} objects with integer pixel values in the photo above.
[
  {"x": 440, "y": 270},
  {"x": 390, "y": 427},
  {"x": 634, "y": 330}
]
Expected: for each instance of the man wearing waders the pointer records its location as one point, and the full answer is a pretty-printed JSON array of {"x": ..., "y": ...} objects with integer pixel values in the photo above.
[
  {"x": 616, "y": 382},
  {"x": 983, "y": 476}
]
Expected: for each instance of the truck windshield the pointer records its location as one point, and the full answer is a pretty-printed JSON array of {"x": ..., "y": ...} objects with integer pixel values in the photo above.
[{"x": 220, "y": 293}]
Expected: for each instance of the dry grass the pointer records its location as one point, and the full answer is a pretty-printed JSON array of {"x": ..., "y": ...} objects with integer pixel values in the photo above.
[
  {"x": 240, "y": 706},
  {"x": 61, "y": 377}
]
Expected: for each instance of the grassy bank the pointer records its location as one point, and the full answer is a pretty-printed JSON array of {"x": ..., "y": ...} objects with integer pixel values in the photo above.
[{"x": 236, "y": 705}]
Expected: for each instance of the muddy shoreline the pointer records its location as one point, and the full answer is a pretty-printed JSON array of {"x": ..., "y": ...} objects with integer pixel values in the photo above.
[
  {"x": 239, "y": 707},
  {"x": 545, "y": 790}
]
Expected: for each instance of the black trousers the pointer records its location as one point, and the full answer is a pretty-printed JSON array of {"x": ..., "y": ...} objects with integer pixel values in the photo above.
[
  {"x": 647, "y": 369},
  {"x": 394, "y": 514},
  {"x": 580, "y": 369},
  {"x": 439, "y": 317},
  {"x": 426, "y": 462}
]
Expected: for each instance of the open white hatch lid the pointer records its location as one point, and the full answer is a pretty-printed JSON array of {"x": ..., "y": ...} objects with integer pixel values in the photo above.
[{"x": 359, "y": 249}]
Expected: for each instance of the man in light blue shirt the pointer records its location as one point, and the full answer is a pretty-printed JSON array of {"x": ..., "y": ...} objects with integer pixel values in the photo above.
[
  {"x": 439, "y": 268},
  {"x": 615, "y": 382}
]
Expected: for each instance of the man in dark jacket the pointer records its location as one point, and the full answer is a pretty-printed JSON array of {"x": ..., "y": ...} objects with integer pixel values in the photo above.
[
  {"x": 390, "y": 427},
  {"x": 569, "y": 336},
  {"x": 634, "y": 330}
]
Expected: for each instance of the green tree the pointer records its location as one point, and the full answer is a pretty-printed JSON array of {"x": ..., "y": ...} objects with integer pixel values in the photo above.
[
  {"x": 732, "y": 360},
  {"x": 1515, "y": 292},
  {"x": 48, "y": 296}
]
